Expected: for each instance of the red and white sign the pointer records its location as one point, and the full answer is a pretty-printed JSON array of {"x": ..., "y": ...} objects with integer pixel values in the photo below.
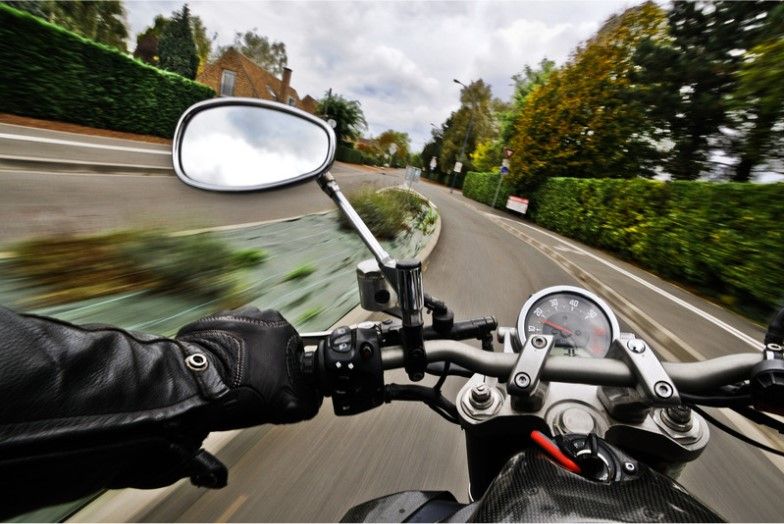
[
  {"x": 508, "y": 152},
  {"x": 516, "y": 203}
]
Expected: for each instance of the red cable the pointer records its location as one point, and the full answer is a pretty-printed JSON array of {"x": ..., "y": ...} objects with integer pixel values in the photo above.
[{"x": 555, "y": 452}]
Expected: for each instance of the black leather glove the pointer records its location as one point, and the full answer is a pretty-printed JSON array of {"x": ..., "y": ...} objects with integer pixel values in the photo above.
[
  {"x": 90, "y": 407},
  {"x": 257, "y": 354}
]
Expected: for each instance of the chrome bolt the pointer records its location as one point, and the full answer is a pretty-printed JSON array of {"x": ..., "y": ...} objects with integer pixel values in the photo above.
[
  {"x": 629, "y": 467},
  {"x": 636, "y": 345},
  {"x": 773, "y": 347},
  {"x": 662, "y": 389},
  {"x": 538, "y": 342},
  {"x": 196, "y": 362},
  {"x": 522, "y": 380},
  {"x": 481, "y": 397}
]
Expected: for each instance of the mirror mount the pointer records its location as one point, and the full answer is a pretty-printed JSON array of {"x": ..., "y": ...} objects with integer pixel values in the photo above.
[{"x": 405, "y": 276}]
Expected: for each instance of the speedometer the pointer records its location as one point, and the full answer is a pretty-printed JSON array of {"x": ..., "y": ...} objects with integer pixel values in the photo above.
[{"x": 582, "y": 324}]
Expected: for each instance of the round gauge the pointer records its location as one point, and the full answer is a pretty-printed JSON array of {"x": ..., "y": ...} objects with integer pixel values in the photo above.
[{"x": 583, "y": 325}]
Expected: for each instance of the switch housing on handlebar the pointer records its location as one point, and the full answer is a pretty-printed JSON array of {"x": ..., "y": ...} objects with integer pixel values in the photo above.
[{"x": 350, "y": 367}]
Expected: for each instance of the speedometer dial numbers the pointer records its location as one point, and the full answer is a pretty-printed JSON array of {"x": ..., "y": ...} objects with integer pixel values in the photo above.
[{"x": 580, "y": 322}]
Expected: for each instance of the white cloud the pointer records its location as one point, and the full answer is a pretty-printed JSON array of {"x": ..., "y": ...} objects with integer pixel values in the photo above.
[{"x": 399, "y": 58}]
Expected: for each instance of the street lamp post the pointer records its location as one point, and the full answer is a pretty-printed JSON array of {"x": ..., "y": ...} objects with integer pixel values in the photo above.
[{"x": 465, "y": 138}]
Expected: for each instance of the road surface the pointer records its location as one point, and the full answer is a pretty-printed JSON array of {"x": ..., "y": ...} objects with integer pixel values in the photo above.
[
  {"x": 48, "y": 203},
  {"x": 316, "y": 470}
]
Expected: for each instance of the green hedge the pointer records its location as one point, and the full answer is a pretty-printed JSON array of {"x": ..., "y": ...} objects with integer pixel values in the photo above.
[
  {"x": 54, "y": 74},
  {"x": 355, "y": 156},
  {"x": 482, "y": 186},
  {"x": 725, "y": 239}
]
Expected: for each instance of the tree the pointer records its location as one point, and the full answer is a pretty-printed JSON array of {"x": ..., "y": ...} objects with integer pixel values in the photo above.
[
  {"x": 584, "y": 120},
  {"x": 684, "y": 79},
  {"x": 472, "y": 123},
  {"x": 101, "y": 21},
  {"x": 487, "y": 156},
  {"x": 757, "y": 104},
  {"x": 525, "y": 82},
  {"x": 401, "y": 140},
  {"x": 176, "y": 47},
  {"x": 268, "y": 54},
  {"x": 147, "y": 41},
  {"x": 202, "y": 41},
  {"x": 347, "y": 114}
]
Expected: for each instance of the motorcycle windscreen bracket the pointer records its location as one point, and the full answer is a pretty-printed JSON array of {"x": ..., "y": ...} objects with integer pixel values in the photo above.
[{"x": 652, "y": 380}]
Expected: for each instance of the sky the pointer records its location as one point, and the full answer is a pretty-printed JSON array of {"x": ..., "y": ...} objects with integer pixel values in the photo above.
[{"x": 399, "y": 58}]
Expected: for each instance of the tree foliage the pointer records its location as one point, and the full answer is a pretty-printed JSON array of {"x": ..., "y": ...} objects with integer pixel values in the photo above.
[
  {"x": 147, "y": 41},
  {"x": 402, "y": 142},
  {"x": 347, "y": 114},
  {"x": 584, "y": 120},
  {"x": 684, "y": 79},
  {"x": 176, "y": 47},
  {"x": 472, "y": 123},
  {"x": 101, "y": 21},
  {"x": 525, "y": 82},
  {"x": 268, "y": 54}
]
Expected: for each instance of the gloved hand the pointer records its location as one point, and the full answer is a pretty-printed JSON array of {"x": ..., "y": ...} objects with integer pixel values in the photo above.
[{"x": 257, "y": 355}]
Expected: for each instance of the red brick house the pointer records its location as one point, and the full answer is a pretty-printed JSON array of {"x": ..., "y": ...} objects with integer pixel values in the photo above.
[{"x": 234, "y": 74}]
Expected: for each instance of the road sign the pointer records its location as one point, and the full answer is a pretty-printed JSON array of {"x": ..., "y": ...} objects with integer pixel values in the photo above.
[
  {"x": 508, "y": 152},
  {"x": 518, "y": 204},
  {"x": 504, "y": 170},
  {"x": 433, "y": 163},
  {"x": 458, "y": 167},
  {"x": 505, "y": 163},
  {"x": 392, "y": 149}
]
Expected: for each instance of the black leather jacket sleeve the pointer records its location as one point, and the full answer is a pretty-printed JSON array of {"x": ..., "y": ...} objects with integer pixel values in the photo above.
[{"x": 84, "y": 408}]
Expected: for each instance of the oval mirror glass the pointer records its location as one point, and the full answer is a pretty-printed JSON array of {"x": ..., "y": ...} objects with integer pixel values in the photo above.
[{"x": 236, "y": 146}]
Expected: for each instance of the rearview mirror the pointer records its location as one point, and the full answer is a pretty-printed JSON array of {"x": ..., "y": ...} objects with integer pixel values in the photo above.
[{"x": 245, "y": 144}]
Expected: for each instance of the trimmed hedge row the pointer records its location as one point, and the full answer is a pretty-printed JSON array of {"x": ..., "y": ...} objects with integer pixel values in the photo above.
[
  {"x": 355, "y": 156},
  {"x": 51, "y": 73},
  {"x": 725, "y": 239},
  {"x": 482, "y": 186}
]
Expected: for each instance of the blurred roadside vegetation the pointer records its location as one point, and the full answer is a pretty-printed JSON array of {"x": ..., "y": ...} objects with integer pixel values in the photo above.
[
  {"x": 70, "y": 269},
  {"x": 391, "y": 212},
  {"x": 724, "y": 240},
  {"x": 684, "y": 91}
]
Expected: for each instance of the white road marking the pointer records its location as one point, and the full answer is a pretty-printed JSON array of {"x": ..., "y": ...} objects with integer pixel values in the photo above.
[
  {"x": 58, "y": 141},
  {"x": 756, "y": 344}
]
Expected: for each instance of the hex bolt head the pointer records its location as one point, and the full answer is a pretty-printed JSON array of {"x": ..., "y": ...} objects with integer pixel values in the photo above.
[
  {"x": 538, "y": 341},
  {"x": 662, "y": 389},
  {"x": 628, "y": 467},
  {"x": 522, "y": 380},
  {"x": 480, "y": 394},
  {"x": 636, "y": 345}
]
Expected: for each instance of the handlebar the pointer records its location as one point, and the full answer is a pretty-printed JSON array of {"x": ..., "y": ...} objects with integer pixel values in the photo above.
[{"x": 689, "y": 377}]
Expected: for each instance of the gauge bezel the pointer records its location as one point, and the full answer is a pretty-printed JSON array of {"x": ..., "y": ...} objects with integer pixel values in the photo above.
[{"x": 615, "y": 328}]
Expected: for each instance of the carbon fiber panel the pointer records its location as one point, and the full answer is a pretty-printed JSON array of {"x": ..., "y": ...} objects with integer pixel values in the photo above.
[{"x": 531, "y": 488}]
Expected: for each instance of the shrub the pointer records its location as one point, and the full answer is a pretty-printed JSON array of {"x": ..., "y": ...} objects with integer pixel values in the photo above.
[
  {"x": 482, "y": 186},
  {"x": 69, "y": 269},
  {"x": 52, "y": 73},
  {"x": 300, "y": 272},
  {"x": 386, "y": 213},
  {"x": 724, "y": 239}
]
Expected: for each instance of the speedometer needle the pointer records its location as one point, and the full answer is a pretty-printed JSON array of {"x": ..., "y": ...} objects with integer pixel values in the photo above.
[{"x": 558, "y": 327}]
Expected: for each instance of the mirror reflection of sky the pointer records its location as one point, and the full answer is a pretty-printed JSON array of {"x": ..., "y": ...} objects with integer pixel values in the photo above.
[{"x": 245, "y": 146}]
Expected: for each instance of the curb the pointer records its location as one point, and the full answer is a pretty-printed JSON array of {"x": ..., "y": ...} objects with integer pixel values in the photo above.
[
  {"x": 81, "y": 166},
  {"x": 131, "y": 505}
]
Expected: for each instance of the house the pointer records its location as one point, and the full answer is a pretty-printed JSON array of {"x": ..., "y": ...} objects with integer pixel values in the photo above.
[{"x": 234, "y": 74}]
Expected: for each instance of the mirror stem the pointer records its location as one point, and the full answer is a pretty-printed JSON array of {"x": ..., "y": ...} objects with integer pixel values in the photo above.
[{"x": 385, "y": 260}]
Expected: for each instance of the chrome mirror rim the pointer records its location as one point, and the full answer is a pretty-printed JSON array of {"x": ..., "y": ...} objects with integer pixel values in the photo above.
[{"x": 253, "y": 102}]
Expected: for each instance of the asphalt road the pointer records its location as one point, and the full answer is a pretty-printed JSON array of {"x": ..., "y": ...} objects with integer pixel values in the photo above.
[
  {"x": 316, "y": 470},
  {"x": 51, "y": 203}
]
